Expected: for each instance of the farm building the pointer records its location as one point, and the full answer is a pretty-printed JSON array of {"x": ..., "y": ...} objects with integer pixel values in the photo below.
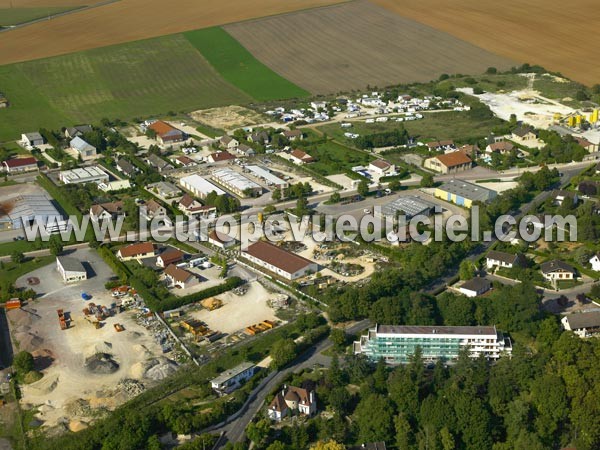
[
  {"x": 199, "y": 186},
  {"x": 180, "y": 278},
  {"x": 84, "y": 150},
  {"x": 92, "y": 174},
  {"x": 237, "y": 183},
  {"x": 475, "y": 287},
  {"x": 15, "y": 165},
  {"x": 26, "y": 209},
  {"x": 32, "y": 139},
  {"x": 449, "y": 163},
  {"x": 267, "y": 176},
  {"x": 232, "y": 379},
  {"x": 285, "y": 264},
  {"x": 409, "y": 206},
  {"x": 71, "y": 270},
  {"x": 136, "y": 251},
  {"x": 167, "y": 134},
  {"x": 463, "y": 193}
]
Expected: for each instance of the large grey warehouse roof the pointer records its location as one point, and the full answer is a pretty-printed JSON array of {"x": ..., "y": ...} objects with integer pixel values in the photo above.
[
  {"x": 411, "y": 206},
  {"x": 29, "y": 206},
  {"x": 468, "y": 190}
]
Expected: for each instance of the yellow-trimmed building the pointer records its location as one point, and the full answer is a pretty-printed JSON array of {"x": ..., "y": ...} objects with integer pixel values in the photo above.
[{"x": 463, "y": 193}]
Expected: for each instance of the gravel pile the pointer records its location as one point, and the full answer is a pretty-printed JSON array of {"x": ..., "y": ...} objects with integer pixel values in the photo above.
[{"x": 101, "y": 363}]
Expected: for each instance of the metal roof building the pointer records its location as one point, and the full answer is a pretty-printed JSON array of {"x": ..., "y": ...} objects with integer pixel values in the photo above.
[
  {"x": 464, "y": 193},
  {"x": 267, "y": 176},
  {"x": 200, "y": 186},
  {"x": 29, "y": 208},
  {"x": 411, "y": 206},
  {"x": 236, "y": 182},
  {"x": 92, "y": 174}
]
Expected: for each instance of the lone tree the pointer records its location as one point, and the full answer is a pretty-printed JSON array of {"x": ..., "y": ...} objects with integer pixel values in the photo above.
[
  {"x": 283, "y": 352},
  {"x": 23, "y": 362},
  {"x": 17, "y": 257},
  {"x": 55, "y": 244},
  {"x": 363, "y": 188},
  {"x": 427, "y": 180}
]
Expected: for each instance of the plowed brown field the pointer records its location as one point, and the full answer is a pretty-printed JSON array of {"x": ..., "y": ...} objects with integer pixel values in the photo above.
[
  {"x": 553, "y": 33},
  {"x": 356, "y": 44},
  {"x": 129, "y": 20},
  {"x": 39, "y": 3}
]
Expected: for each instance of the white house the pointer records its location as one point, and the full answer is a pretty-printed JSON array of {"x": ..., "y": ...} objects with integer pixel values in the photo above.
[
  {"x": 232, "y": 379},
  {"x": 583, "y": 324},
  {"x": 299, "y": 157},
  {"x": 292, "y": 400},
  {"x": 32, "y": 139},
  {"x": 71, "y": 270},
  {"x": 136, "y": 251},
  {"x": 595, "y": 262},
  {"x": 181, "y": 278},
  {"x": 168, "y": 257},
  {"x": 557, "y": 270},
  {"x": 475, "y": 287},
  {"x": 221, "y": 240},
  {"x": 502, "y": 259},
  {"x": 382, "y": 167},
  {"x": 229, "y": 143}
]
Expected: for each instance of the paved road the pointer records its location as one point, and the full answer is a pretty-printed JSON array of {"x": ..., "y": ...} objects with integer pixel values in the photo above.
[{"x": 234, "y": 431}]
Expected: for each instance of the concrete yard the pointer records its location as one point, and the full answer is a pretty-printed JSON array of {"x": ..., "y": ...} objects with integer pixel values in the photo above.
[
  {"x": 238, "y": 312},
  {"x": 70, "y": 389}
]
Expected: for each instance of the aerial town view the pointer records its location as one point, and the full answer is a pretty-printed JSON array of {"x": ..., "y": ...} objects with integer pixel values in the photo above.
[{"x": 299, "y": 225}]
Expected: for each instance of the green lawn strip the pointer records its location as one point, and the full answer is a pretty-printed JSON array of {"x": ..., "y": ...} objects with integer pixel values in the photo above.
[
  {"x": 16, "y": 16},
  {"x": 238, "y": 66},
  {"x": 10, "y": 271}
]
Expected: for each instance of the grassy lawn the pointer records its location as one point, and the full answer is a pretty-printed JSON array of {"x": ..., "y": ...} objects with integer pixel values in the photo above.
[
  {"x": 335, "y": 158},
  {"x": 15, "y": 16},
  {"x": 10, "y": 271},
  {"x": 209, "y": 131},
  {"x": 238, "y": 66},
  {"x": 136, "y": 79},
  {"x": 456, "y": 125}
]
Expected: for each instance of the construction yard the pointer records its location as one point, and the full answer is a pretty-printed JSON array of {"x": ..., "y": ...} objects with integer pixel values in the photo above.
[
  {"x": 87, "y": 370},
  {"x": 239, "y": 311}
]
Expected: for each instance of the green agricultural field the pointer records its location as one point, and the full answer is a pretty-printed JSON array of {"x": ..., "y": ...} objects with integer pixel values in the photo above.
[
  {"x": 240, "y": 68},
  {"x": 137, "y": 79},
  {"x": 16, "y": 16}
]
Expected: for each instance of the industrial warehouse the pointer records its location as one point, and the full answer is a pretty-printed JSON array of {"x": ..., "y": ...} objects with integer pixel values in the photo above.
[
  {"x": 463, "y": 193},
  {"x": 26, "y": 209}
]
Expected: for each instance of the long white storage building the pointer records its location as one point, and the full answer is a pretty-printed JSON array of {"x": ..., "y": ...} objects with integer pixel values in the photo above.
[{"x": 200, "y": 186}]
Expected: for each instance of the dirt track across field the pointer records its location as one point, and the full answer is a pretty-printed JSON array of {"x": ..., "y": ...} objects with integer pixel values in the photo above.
[
  {"x": 552, "y": 33},
  {"x": 130, "y": 20},
  {"x": 357, "y": 44}
]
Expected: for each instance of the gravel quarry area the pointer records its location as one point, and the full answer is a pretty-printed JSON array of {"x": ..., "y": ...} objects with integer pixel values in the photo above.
[{"x": 86, "y": 370}]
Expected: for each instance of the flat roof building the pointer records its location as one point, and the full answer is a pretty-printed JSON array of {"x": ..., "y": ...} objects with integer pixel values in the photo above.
[
  {"x": 410, "y": 206},
  {"x": 200, "y": 186},
  {"x": 464, "y": 193},
  {"x": 267, "y": 176},
  {"x": 92, "y": 174},
  {"x": 29, "y": 208},
  {"x": 232, "y": 379},
  {"x": 397, "y": 343},
  {"x": 70, "y": 269},
  {"x": 236, "y": 183}
]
